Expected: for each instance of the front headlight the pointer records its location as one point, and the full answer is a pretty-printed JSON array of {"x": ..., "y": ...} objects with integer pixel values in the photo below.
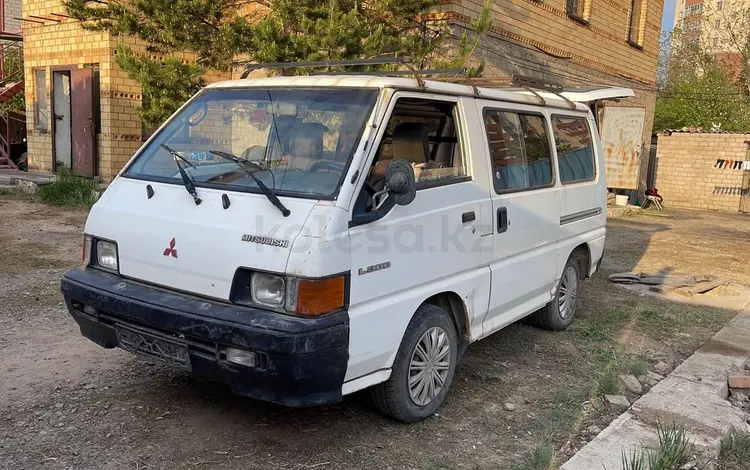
[
  {"x": 106, "y": 255},
  {"x": 267, "y": 289}
]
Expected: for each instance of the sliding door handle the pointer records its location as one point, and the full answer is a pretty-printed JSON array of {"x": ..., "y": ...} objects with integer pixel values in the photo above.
[{"x": 502, "y": 220}]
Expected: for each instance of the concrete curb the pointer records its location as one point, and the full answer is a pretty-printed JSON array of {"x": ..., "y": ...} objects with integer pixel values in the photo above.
[
  {"x": 693, "y": 394},
  {"x": 16, "y": 177}
]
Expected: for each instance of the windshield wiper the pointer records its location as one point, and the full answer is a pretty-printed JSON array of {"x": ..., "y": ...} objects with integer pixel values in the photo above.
[
  {"x": 186, "y": 180},
  {"x": 263, "y": 188}
]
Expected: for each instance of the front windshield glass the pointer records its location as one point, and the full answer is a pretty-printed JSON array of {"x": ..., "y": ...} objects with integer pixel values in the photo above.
[{"x": 300, "y": 140}]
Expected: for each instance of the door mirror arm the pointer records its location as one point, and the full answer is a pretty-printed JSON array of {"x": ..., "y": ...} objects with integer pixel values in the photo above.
[
  {"x": 400, "y": 189},
  {"x": 379, "y": 199}
]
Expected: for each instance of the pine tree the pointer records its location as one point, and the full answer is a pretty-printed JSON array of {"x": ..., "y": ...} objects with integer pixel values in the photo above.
[{"x": 223, "y": 34}]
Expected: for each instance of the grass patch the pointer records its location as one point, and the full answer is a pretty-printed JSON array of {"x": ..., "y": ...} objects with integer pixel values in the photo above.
[
  {"x": 69, "y": 190},
  {"x": 5, "y": 192},
  {"x": 612, "y": 364},
  {"x": 734, "y": 453},
  {"x": 560, "y": 414},
  {"x": 607, "y": 383},
  {"x": 602, "y": 326},
  {"x": 664, "y": 318},
  {"x": 675, "y": 450},
  {"x": 635, "y": 366},
  {"x": 541, "y": 458}
]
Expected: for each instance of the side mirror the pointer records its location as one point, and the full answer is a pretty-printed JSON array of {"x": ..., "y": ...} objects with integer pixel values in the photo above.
[
  {"x": 400, "y": 185},
  {"x": 400, "y": 182}
]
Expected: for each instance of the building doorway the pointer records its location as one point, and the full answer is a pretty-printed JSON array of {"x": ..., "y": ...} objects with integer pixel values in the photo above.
[
  {"x": 74, "y": 123},
  {"x": 61, "y": 106}
]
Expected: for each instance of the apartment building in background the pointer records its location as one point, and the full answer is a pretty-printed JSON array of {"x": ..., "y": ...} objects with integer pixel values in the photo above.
[
  {"x": 571, "y": 43},
  {"x": 716, "y": 25}
]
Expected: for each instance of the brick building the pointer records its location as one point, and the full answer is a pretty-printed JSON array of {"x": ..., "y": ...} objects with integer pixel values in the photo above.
[
  {"x": 66, "y": 66},
  {"x": 704, "y": 170},
  {"x": 567, "y": 42},
  {"x": 583, "y": 43}
]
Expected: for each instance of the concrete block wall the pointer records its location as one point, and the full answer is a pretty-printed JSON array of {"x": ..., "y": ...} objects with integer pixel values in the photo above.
[
  {"x": 685, "y": 173},
  {"x": 11, "y": 13}
]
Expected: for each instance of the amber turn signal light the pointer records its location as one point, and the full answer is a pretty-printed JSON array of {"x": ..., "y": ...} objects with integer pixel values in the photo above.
[{"x": 316, "y": 297}]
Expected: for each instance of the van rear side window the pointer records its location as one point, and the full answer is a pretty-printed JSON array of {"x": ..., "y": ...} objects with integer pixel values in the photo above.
[
  {"x": 519, "y": 149},
  {"x": 575, "y": 150}
]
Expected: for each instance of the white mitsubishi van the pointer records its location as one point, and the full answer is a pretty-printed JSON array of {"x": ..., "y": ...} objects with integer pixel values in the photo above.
[{"x": 303, "y": 238}]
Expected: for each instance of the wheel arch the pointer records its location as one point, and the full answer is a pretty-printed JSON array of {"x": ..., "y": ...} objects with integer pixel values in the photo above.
[
  {"x": 583, "y": 253},
  {"x": 452, "y": 303}
]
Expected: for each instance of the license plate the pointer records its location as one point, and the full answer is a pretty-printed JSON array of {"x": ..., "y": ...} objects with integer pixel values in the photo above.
[{"x": 153, "y": 347}]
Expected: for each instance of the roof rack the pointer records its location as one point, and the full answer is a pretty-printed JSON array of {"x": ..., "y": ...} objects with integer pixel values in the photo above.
[
  {"x": 398, "y": 73},
  {"x": 325, "y": 63},
  {"x": 532, "y": 85},
  {"x": 529, "y": 84}
]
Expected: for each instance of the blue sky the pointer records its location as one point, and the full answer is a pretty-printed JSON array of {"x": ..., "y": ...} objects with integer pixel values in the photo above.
[{"x": 666, "y": 24}]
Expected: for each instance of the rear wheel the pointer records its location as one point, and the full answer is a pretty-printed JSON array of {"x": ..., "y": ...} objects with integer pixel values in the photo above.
[
  {"x": 423, "y": 369},
  {"x": 559, "y": 313}
]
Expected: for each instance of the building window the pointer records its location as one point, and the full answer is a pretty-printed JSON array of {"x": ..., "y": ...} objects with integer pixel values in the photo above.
[
  {"x": 696, "y": 9},
  {"x": 578, "y": 9},
  {"x": 519, "y": 149},
  {"x": 693, "y": 26},
  {"x": 717, "y": 24},
  {"x": 719, "y": 6},
  {"x": 637, "y": 24},
  {"x": 41, "y": 106}
]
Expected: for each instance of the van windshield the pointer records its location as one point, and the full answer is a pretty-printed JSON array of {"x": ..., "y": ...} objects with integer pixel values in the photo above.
[{"x": 299, "y": 140}]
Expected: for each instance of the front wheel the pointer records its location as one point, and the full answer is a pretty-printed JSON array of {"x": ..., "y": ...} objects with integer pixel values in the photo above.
[
  {"x": 423, "y": 369},
  {"x": 558, "y": 314}
]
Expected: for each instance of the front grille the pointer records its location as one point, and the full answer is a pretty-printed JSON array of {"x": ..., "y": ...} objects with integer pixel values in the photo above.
[{"x": 195, "y": 345}]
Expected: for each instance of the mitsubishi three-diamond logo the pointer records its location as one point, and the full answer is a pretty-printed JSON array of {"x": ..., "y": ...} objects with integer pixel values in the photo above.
[{"x": 170, "y": 250}]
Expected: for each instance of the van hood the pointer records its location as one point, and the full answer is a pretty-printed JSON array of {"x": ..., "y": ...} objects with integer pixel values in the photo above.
[{"x": 169, "y": 241}]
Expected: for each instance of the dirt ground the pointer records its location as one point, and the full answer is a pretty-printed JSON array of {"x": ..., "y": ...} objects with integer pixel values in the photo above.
[{"x": 67, "y": 403}]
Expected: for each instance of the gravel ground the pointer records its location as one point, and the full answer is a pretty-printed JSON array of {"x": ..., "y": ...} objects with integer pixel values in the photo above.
[{"x": 67, "y": 403}]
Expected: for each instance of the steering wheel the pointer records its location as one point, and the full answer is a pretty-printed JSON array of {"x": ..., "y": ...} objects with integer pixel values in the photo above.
[{"x": 332, "y": 166}]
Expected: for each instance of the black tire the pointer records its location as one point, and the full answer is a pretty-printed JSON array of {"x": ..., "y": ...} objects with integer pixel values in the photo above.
[
  {"x": 393, "y": 397},
  {"x": 551, "y": 317}
]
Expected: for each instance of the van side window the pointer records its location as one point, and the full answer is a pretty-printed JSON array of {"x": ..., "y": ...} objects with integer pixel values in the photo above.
[
  {"x": 422, "y": 132},
  {"x": 519, "y": 149},
  {"x": 575, "y": 149}
]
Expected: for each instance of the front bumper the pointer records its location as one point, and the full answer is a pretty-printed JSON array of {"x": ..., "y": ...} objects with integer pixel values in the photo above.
[{"x": 303, "y": 362}]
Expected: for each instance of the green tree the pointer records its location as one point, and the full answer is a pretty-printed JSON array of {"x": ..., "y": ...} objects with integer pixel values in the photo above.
[
  {"x": 223, "y": 34},
  {"x": 696, "y": 88},
  {"x": 12, "y": 72}
]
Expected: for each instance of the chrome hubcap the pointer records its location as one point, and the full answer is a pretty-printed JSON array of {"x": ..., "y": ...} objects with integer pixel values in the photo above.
[
  {"x": 566, "y": 298},
  {"x": 428, "y": 369}
]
